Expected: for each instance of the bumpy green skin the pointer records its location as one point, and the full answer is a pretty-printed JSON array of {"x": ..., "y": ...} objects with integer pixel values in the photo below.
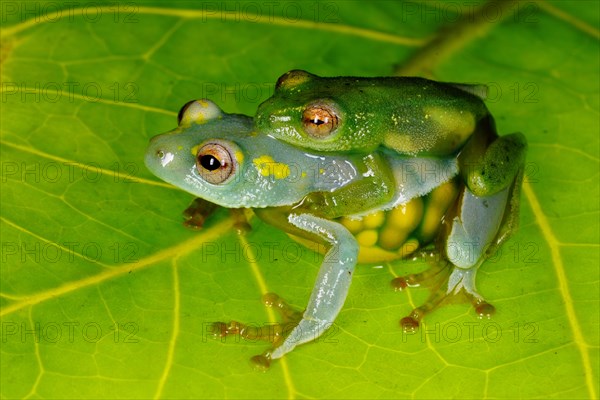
[{"x": 411, "y": 116}]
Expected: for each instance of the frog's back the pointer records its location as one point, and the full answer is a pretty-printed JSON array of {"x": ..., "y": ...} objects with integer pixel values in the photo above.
[
  {"x": 413, "y": 116},
  {"x": 410, "y": 115}
]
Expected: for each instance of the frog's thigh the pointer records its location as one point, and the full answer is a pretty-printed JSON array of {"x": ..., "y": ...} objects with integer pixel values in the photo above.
[
  {"x": 499, "y": 165},
  {"x": 332, "y": 284},
  {"x": 471, "y": 235}
]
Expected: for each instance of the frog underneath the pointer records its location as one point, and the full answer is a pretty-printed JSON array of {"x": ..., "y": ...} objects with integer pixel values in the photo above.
[{"x": 220, "y": 158}]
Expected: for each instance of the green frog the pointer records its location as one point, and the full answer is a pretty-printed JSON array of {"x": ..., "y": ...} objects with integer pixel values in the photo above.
[
  {"x": 377, "y": 201},
  {"x": 409, "y": 115}
]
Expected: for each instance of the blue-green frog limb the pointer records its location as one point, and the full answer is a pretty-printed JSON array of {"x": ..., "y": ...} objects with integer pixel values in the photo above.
[
  {"x": 409, "y": 115},
  {"x": 474, "y": 228}
]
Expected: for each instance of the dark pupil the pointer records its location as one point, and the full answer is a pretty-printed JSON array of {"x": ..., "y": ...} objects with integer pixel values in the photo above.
[
  {"x": 318, "y": 121},
  {"x": 210, "y": 162}
]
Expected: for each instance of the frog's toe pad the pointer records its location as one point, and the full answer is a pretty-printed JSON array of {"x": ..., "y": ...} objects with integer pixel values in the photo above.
[
  {"x": 272, "y": 333},
  {"x": 409, "y": 324},
  {"x": 261, "y": 362},
  {"x": 484, "y": 310}
]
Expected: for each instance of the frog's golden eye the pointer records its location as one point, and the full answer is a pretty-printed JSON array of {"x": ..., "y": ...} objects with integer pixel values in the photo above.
[
  {"x": 183, "y": 110},
  {"x": 319, "y": 121},
  {"x": 215, "y": 163}
]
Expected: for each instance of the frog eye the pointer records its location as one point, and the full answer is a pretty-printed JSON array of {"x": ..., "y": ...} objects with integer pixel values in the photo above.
[
  {"x": 183, "y": 110},
  {"x": 215, "y": 163},
  {"x": 198, "y": 111},
  {"x": 293, "y": 78},
  {"x": 319, "y": 121}
]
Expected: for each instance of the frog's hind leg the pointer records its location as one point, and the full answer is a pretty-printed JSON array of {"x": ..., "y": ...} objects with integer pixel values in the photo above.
[{"x": 475, "y": 232}]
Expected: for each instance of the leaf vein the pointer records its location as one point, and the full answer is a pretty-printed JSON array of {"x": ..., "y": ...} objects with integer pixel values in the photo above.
[
  {"x": 563, "y": 286},
  {"x": 255, "y": 18}
]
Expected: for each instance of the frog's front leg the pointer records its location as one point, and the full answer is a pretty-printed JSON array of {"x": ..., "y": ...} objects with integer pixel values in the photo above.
[
  {"x": 332, "y": 284},
  {"x": 356, "y": 197},
  {"x": 199, "y": 210},
  {"x": 490, "y": 163}
]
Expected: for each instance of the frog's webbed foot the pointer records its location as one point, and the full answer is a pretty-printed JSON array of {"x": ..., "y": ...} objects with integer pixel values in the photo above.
[
  {"x": 199, "y": 210},
  {"x": 464, "y": 279},
  {"x": 272, "y": 333},
  {"x": 434, "y": 279},
  {"x": 445, "y": 283},
  {"x": 474, "y": 231}
]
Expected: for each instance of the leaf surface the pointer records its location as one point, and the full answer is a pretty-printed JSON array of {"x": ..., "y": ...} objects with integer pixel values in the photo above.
[{"x": 105, "y": 295}]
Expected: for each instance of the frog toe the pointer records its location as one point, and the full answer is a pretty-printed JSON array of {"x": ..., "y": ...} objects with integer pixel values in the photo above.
[
  {"x": 197, "y": 213},
  {"x": 275, "y": 333},
  {"x": 464, "y": 279}
]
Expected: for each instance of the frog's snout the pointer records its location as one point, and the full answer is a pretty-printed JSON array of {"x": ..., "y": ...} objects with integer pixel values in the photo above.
[{"x": 158, "y": 153}]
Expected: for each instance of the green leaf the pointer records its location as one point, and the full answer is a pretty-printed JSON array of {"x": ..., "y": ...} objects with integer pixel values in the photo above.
[{"x": 104, "y": 294}]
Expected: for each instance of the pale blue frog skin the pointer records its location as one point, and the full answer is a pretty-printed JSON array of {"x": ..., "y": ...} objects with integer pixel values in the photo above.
[{"x": 220, "y": 158}]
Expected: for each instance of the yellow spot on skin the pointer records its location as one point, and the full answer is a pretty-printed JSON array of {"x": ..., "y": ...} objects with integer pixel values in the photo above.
[
  {"x": 403, "y": 143},
  {"x": 460, "y": 122},
  {"x": 321, "y": 170},
  {"x": 293, "y": 79},
  {"x": 266, "y": 166},
  {"x": 179, "y": 148},
  {"x": 303, "y": 175},
  {"x": 456, "y": 125},
  {"x": 239, "y": 156},
  {"x": 367, "y": 238},
  {"x": 195, "y": 150}
]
